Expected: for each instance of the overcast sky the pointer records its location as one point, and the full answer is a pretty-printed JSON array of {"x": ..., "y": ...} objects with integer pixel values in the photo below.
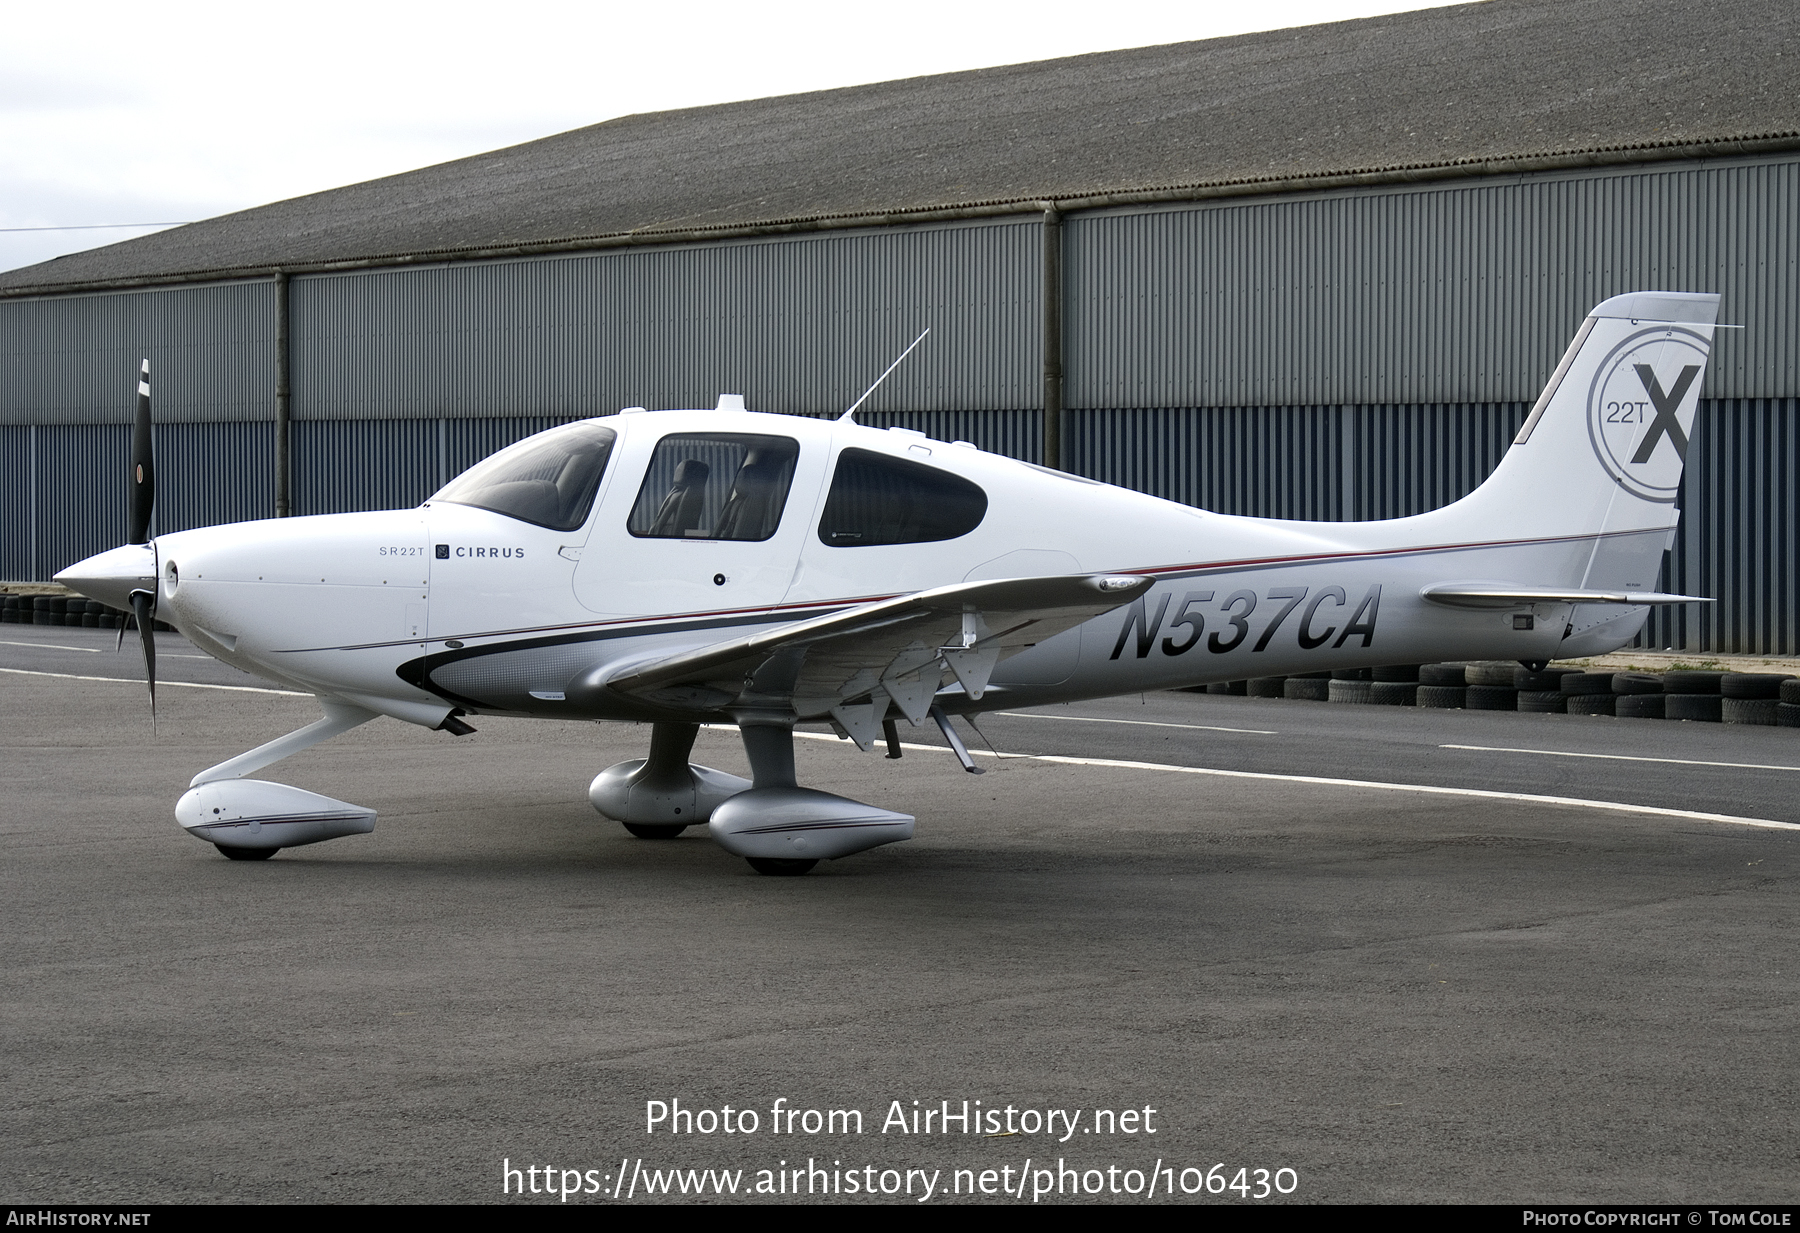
[{"x": 180, "y": 110}]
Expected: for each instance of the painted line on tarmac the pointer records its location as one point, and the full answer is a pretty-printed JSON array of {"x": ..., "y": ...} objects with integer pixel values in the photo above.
[
  {"x": 1565, "y": 753},
  {"x": 120, "y": 680},
  {"x": 51, "y": 646},
  {"x": 1485, "y": 794},
  {"x": 1141, "y": 723},
  {"x": 94, "y": 650}
]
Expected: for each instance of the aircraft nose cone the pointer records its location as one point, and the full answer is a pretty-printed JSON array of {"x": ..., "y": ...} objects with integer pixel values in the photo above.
[{"x": 112, "y": 576}]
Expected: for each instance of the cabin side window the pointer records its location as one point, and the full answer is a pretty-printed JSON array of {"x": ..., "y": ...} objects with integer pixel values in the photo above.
[
  {"x": 548, "y": 480},
  {"x": 877, "y": 499},
  {"x": 729, "y": 486}
]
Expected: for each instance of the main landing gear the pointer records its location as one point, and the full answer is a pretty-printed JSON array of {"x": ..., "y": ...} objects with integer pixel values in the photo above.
[{"x": 782, "y": 829}]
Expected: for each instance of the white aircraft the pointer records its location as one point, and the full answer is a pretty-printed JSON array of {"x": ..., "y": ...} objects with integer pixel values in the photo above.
[{"x": 689, "y": 567}]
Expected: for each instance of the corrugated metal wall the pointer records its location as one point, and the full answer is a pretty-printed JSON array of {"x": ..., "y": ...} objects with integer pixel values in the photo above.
[
  {"x": 344, "y": 465},
  {"x": 1438, "y": 294},
  {"x": 1359, "y": 354},
  {"x": 800, "y": 325},
  {"x": 74, "y": 359},
  {"x": 1740, "y": 525},
  {"x": 16, "y": 504}
]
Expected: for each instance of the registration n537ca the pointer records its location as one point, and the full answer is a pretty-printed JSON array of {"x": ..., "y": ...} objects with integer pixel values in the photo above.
[{"x": 723, "y": 566}]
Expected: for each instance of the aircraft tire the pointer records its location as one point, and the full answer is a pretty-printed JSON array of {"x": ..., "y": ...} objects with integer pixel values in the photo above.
[
  {"x": 779, "y": 867},
  {"x": 245, "y": 854},
  {"x": 654, "y": 830}
]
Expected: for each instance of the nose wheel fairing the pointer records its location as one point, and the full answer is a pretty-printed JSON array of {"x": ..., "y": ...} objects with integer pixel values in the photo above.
[{"x": 256, "y": 814}]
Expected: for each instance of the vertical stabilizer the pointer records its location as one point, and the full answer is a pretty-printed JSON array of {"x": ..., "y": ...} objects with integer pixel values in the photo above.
[{"x": 1602, "y": 451}]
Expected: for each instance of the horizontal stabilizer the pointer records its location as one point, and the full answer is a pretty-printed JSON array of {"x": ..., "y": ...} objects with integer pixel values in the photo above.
[{"x": 1508, "y": 595}]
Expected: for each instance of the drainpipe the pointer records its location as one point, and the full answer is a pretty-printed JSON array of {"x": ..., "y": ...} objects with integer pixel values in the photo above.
[
  {"x": 283, "y": 368},
  {"x": 1054, "y": 454}
]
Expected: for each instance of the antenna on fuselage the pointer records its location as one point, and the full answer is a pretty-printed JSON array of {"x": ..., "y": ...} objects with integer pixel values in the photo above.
[{"x": 883, "y": 377}]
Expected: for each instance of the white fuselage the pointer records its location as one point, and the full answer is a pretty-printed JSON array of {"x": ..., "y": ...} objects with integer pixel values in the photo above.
[{"x": 414, "y": 612}]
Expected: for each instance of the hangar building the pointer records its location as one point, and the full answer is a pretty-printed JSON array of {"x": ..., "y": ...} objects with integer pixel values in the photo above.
[{"x": 1308, "y": 273}]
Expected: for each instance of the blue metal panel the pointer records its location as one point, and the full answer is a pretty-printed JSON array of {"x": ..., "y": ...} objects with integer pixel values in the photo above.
[
  {"x": 1408, "y": 459},
  {"x": 465, "y": 442},
  {"x": 1017, "y": 434},
  {"x": 342, "y": 466},
  {"x": 15, "y": 502},
  {"x": 208, "y": 474},
  {"x": 80, "y": 478},
  {"x": 1748, "y": 475}
]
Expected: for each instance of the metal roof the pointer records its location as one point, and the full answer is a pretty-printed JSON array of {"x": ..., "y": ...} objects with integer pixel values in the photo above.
[{"x": 1507, "y": 85}]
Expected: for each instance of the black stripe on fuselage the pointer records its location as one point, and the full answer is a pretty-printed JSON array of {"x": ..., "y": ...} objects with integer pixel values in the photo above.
[{"x": 417, "y": 672}]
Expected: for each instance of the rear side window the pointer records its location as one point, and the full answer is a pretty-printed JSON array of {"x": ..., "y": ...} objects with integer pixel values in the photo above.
[
  {"x": 549, "y": 479},
  {"x": 876, "y": 499},
  {"x": 715, "y": 486}
]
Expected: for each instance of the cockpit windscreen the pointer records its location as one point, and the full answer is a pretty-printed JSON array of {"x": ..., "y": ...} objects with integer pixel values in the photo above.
[{"x": 549, "y": 479}]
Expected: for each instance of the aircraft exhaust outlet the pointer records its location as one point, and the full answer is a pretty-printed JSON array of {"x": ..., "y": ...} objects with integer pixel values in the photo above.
[
  {"x": 803, "y": 824},
  {"x": 253, "y": 813}
]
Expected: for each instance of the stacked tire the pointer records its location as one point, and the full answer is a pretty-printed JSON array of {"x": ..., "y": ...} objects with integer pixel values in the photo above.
[
  {"x": 1692, "y": 695},
  {"x": 1637, "y": 695},
  {"x": 1787, "y": 711},
  {"x": 1394, "y": 685},
  {"x": 1540, "y": 693},
  {"x": 1308, "y": 687},
  {"x": 1587, "y": 693},
  {"x": 1444, "y": 686},
  {"x": 1349, "y": 685},
  {"x": 1751, "y": 697},
  {"x": 60, "y": 610},
  {"x": 1491, "y": 687}
]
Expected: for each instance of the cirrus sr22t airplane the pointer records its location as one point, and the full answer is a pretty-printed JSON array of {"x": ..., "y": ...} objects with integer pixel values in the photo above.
[{"x": 689, "y": 567}]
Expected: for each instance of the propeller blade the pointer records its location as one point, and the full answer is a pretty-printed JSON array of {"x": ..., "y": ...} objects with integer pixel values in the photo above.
[
  {"x": 140, "y": 609},
  {"x": 141, "y": 491}
]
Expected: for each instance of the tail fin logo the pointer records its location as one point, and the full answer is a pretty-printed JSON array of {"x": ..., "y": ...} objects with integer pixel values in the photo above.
[{"x": 1641, "y": 409}]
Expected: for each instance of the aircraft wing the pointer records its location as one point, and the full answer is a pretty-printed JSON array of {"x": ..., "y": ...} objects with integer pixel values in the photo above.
[
  {"x": 1507, "y": 595},
  {"x": 849, "y": 664}
]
